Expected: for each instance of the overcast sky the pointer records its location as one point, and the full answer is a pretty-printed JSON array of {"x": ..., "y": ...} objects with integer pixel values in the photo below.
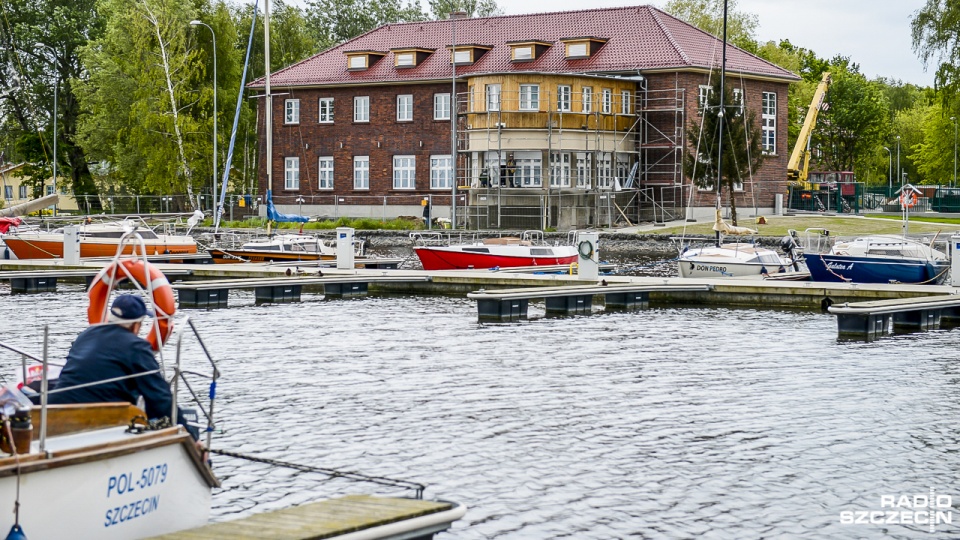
[{"x": 873, "y": 33}]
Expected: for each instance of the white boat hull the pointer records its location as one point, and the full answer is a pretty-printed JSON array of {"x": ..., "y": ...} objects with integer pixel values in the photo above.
[{"x": 115, "y": 495}]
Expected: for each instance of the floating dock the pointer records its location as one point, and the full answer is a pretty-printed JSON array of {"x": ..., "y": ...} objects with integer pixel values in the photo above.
[{"x": 353, "y": 517}]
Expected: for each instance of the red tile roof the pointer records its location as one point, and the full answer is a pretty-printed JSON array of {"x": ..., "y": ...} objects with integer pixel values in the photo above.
[{"x": 639, "y": 38}]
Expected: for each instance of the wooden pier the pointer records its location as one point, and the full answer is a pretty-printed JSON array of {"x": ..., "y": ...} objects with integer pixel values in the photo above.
[
  {"x": 214, "y": 293},
  {"x": 874, "y": 319},
  {"x": 511, "y": 304},
  {"x": 352, "y": 517}
]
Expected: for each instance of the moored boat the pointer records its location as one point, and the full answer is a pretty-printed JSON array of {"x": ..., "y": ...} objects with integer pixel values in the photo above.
[
  {"x": 527, "y": 250},
  {"x": 97, "y": 240},
  {"x": 879, "y": 259},
  {"x": 280, "y": 247}
]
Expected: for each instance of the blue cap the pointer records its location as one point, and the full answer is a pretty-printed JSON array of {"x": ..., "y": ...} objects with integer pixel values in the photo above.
[{"x": 128, "y": 308}]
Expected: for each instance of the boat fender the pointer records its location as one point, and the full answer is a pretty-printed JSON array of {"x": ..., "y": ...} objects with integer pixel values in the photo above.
[
  {"x": 585, "y": 249},
  {"x": 16, "y": 533},
  {"x": 148, "y": 276}
]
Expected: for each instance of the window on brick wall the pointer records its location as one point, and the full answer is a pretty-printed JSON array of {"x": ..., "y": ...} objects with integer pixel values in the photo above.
[
  {"x": 404, "y": 107},
  {"x": 291, "y": 108},
  {"x": 291, "y": 173},
  {"x": 441, "y": 106},
  {"x": 326, "y": 110},
  {"x": 404, "y": 172},
  {"x": 361, "y": 172},
  {"x": 325, "y": 172},
  {"x": 769, "y": 123},
  {"x": 361, "y": 109},
  {"x": 440, "y": 174}
]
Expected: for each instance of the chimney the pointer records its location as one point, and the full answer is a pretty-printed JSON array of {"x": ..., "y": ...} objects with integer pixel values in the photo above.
[{"x": 459, "y": 15}]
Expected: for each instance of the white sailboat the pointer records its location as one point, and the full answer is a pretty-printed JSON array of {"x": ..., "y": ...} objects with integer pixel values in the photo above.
[{"x": 736, "y": 259}]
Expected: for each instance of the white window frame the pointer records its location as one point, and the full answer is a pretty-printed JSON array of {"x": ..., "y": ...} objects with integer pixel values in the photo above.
[
  {"x": 291, "y": 173},
  {"x": 577, "y": 50},
  {"x": 441, "y": 106},
  {"x": 584, "y": 170},
  {"x": 325, "y": 106},
  {"x": 703, "y": 96},
  {"x": 523, "y": 53},
  {"x": 406, "y": 59},
  {"x": 361, "y": 109},
  {"x": 606, "y": 101},
  {"x": 625, "y": 99},
  {"x": 291, "y": 111},
  {"x": 325, "y": 173},
  {"x": 529, "y": 169},
  {"x": 604, "y": 171},
  {"x": 23, "y": 191},
  {"x": 404, "y": 107},
  {"x": 357, "y": 62},
  {"x": 404, "y": 172},
  {"x": 492, "y": 93},
  {"x": 561, "y": 170},
  {"x": 586, "y": 104},
  {"x": 440, "y": 172},
  {"x": 463, "y": 56},
  {"x": 529, "y": 97},
  {"x": 769, "y": 123},
  {"x": 564, "y": 93},
  {"x": 494, "y": 161},
  {"x": 361, "y": 172}
]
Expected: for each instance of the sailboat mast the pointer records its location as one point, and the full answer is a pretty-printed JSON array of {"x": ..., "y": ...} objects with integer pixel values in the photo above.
[
  {"x": 720, "y": 115},
  {"x": 269, "y": 98}
]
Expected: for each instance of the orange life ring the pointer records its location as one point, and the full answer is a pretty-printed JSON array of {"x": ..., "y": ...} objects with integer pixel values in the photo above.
[
  {"x": 908, "y": 200},
  {"x": 147, "y": 276}
]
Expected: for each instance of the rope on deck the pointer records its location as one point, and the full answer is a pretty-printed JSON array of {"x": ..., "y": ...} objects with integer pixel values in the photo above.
[{"x": 333, "y": 473}]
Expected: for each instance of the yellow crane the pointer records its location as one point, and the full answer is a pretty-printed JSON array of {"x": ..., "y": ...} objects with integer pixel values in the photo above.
[{"x": 797, "y": 167}]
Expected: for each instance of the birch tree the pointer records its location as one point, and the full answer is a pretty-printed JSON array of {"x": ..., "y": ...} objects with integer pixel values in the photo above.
[{"x": 141, "y": 94}]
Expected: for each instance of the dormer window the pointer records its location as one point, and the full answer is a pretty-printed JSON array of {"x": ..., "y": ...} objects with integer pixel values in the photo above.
[
  {"x": 467, "y": 54},
  {"x": 527, "y": 51},
  {"x": 577, "y": 48},
  {"x": 409, "y": 57},
  {"x": 361, "y": 60}
]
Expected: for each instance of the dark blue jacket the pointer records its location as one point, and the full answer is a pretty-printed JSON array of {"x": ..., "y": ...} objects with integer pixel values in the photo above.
[{"x": 107, "y": 351}]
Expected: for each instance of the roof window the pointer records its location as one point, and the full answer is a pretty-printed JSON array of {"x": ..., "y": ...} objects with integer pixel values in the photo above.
[
  {"x": 577, "y": 48},
  {"x": 467, "y": 54},
  {"x": 408, "y": 57},
  {"x": 527, "y": 51},
  {"x": 361, "y": 60}
]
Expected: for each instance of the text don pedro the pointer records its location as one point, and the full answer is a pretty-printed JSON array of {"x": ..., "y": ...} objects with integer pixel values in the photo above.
[{"x": 126, "y": 483}]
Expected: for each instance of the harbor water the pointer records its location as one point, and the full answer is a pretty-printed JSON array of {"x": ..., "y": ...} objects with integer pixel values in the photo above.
[{"x": 664, "y": 423}]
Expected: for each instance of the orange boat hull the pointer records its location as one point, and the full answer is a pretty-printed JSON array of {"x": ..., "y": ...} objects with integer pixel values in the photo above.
[{"x": 45, "y": 249}]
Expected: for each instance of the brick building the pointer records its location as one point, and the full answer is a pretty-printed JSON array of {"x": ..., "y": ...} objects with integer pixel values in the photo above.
[{"x": 565, "y": 120}]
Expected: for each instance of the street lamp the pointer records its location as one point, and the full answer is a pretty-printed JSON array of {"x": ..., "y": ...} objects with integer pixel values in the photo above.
[
  {"x": 299, "y": 206},
  {"x": 954, "y": 120},
  {"x": 890, "y": 169},
  {"x": 898, "y": 161},
  {"x": 212, "y": 33}
]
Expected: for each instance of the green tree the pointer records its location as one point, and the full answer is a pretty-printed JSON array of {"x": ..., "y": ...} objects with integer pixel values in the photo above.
[
  {"x": 742, "y": 152},
  {"x": 441, "y": 9},
  {"x": 40, "y": 42},
  {"x": 933, "y": 153},
  {"x": 853, "y": 121},
  {"x": 142, "y": 87},
  {"x": 707, "y": 15},
  {"x": 336, "y": 21},
  {"x": 935, "y": 29}
]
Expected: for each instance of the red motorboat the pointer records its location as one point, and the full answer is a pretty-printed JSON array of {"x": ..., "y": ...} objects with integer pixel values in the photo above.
[{"x": 526, "y": 250}]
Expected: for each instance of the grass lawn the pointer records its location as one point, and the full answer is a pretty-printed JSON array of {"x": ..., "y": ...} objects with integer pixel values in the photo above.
[{"x": 837, "y": 225}]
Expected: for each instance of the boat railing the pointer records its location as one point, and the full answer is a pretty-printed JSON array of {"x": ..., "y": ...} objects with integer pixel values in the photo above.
[
  {"x": 181, "y": 375},
  {"x": 440, "y": 238}
]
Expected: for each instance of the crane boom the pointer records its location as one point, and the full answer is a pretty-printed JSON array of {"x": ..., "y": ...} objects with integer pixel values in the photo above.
[{"x": 797, "y": 167}]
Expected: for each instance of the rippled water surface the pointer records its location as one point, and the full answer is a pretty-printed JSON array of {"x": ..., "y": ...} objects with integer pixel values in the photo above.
[{"x": 665, "y": 423}]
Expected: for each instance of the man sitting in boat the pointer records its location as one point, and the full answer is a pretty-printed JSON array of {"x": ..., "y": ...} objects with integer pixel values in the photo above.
[{"x": 114, "y": 350}]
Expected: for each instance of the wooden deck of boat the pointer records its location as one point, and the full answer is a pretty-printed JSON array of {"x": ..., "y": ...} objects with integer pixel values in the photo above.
[{"x": 330, "y": 519}]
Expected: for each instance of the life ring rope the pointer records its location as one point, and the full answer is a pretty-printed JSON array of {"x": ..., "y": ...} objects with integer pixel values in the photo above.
[
  {"x": 148, "y": 278},
  {"x": 585, "y": 249}
]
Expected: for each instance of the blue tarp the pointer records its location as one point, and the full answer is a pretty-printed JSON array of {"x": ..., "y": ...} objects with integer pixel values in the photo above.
[{"x": 273, "y": 215}]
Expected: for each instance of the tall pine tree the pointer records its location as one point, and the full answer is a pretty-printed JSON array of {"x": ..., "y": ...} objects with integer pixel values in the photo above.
[{"x": 742, "y": 153}]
